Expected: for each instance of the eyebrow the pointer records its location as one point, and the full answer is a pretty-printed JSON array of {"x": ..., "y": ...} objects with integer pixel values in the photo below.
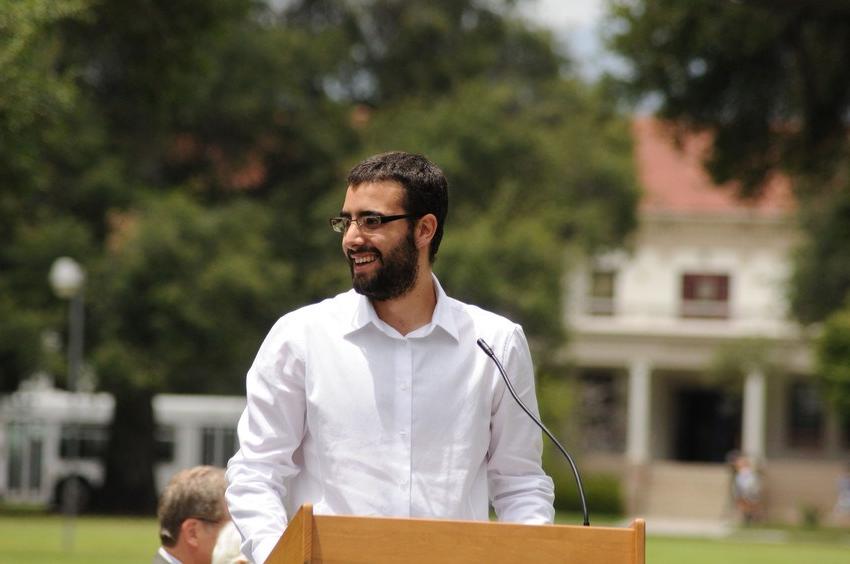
[{"x": 364, "y": 213}]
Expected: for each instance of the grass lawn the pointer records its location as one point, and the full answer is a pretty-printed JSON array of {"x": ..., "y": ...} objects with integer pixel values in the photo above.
[
  {"x": 662, "y": 550},
  {"x": 39, "y": 539},
  {"x": 33, "y": 539}
]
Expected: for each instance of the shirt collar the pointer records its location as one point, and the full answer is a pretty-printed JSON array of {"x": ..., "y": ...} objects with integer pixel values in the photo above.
[
  {"x": 443, "y": 317},
  {"x": 170, "y": 558}
]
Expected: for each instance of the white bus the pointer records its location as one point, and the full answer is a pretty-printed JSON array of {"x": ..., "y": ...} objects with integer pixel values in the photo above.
[{"x": 49, "y": 437}]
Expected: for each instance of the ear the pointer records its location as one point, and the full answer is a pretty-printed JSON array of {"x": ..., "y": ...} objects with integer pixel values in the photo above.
[
  {"x": 189, "y": 532},
  {"x": 426, "y": 228}
]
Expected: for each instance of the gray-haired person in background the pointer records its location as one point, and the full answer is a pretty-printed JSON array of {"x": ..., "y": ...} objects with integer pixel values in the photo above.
[{"x": 191, "y": 513}]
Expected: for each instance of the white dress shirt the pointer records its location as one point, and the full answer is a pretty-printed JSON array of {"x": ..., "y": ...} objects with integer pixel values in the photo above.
[
  {"x": 346, "y": 413},
  {"x": 167, "y": 556}
]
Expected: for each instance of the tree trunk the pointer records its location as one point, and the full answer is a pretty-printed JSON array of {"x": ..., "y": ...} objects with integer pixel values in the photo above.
[{"x": 129, "y": 460}]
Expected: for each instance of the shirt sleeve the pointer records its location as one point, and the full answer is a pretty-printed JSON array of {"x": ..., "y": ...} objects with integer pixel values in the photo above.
[
  {"x": 520, "y": 491},
  {"x": 270, "y": 430}
]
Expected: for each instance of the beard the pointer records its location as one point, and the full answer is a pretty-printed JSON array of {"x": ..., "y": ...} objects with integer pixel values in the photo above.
[{"x": 396, "y": 275}]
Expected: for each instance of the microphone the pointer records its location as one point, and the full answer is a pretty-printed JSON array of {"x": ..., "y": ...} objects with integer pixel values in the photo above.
[{"x": 489, "y": 352}]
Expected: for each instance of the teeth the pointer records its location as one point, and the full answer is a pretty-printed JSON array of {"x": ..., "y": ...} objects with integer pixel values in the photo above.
[{"x": 363, "y": 260}]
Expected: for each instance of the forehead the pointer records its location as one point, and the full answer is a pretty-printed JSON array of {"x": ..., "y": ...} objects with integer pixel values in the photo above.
[{"x": 383, "y": 196}]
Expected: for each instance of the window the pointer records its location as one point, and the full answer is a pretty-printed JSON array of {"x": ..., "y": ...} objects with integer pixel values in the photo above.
[
  {"x": 83, "y": 441},
  {"x": 602, "y": 424},
  {"x": 218, "y": 444},
  {"x": 25, "y": 444},
  {"x": 601, "y": 295},
  {"x": 164, "y": 443},
  {"x": 805, "y": 416},
  {"x": 705, "y": 295},
  {"x": 87, "y": 441}
]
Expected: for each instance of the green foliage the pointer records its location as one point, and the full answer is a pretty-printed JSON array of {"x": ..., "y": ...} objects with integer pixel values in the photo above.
[
  {"x": 20, "y": 332},
  {"x": 821, "y": 278},
  {"x": 429, "y": 48},
  {"x": 190, "y": 292},
  {"x": 833, "y": 360},
  {"x": 32, "y": 91},
  {"x": 603, "y": 492},
  {"x": 483, "y": 265},
  {"x": 769, "y": 79}
]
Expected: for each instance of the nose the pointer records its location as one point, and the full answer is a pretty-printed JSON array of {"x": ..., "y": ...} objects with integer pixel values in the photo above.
[{"x": 353, "y": 236}]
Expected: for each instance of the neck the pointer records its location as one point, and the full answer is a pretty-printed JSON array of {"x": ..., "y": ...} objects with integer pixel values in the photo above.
[
  {"x": 412, "y": 310},
  {"x": 178, "y": 552}
]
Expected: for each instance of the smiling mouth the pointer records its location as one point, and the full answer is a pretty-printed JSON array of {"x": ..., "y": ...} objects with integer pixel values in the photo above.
[
  {"x": 364, "y": 260},
  {"x": 361, "y": 258}
]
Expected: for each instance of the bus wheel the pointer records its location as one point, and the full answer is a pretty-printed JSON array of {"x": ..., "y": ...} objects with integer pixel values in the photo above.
[{"x": 73, "y": 495}]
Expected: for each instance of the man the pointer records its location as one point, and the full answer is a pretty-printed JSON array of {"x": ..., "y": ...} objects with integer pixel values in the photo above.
[
  {"x": 191, "y": 512},
  {"x": 378, "y": 401}
]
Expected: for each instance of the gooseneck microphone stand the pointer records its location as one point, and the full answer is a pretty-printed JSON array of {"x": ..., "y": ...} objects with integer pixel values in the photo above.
[{"x": 489, "y": 352}]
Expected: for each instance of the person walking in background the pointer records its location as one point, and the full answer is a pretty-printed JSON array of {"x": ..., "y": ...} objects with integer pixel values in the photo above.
[
  {"x": 378, "y": 401},
  {"x": 841, "y": 511},
  {"x": 191, "y": 512},
  {"x": 747, "y": 489}
]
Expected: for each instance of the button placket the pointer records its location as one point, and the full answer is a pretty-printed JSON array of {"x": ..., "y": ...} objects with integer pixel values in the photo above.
[{"x": 406, "y": 401}]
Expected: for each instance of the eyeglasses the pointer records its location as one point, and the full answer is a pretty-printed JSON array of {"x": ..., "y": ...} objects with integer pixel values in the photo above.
[
  {"x": 207, "y": 520},
  {"x": 367, "y": 222}
]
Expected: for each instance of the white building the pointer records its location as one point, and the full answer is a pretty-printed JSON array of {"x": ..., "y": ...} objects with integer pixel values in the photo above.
[{"x": 685, "y": 350}]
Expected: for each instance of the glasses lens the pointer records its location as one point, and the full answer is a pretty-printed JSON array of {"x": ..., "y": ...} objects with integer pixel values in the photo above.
[
  {"x": 370, "y": 221},
  {"x": 339, "y": 224}
]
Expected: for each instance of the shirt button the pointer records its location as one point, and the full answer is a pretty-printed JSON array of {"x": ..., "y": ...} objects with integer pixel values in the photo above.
[
  {"x": 403, "y": 434},
  {"x": 404, "y": 387}
]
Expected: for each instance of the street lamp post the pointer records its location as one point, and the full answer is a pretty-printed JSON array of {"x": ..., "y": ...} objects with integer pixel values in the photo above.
[{"x": 68, "y": 278}]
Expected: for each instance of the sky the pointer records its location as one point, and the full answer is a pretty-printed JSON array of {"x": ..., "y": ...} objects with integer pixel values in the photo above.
[
  {"x": 576, "y": 23},
  {"x": 566, "y": 13}
]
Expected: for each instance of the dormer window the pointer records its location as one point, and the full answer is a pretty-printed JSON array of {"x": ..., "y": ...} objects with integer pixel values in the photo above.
[
  {"x": 601, "y": 292},
  {"x": 705, "y": 295}
]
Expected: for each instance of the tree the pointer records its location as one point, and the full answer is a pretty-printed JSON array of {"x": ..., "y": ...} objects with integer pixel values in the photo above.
[
  {"x": 833, "y": 360},
  {"x": 98, "y": 104},
  {"x": 820, "y": 283},
  {"x": 38, "y": 107},
  {"x": 186, "y": 298},
  {"x": 768, "y": 79}
]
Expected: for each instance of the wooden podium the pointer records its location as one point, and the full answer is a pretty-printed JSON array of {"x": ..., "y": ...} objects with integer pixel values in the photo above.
[{"x": 379, "y": 540}]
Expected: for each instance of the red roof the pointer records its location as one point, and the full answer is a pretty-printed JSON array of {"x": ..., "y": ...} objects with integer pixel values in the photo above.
[{"x": 674, "y": 181}]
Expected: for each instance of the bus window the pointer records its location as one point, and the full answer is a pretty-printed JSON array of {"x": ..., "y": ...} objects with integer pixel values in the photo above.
[
  {"x": 218, "y": 444},
  {"x": 164, "y": 443},
  {"x": 25, "y": 453},
  {"x": 85, "y": 441}
]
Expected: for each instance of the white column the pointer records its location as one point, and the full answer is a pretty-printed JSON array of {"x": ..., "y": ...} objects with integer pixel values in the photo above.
[
  {"x": 753, "y": 424},
  {"x": 638, "y": 429}
]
